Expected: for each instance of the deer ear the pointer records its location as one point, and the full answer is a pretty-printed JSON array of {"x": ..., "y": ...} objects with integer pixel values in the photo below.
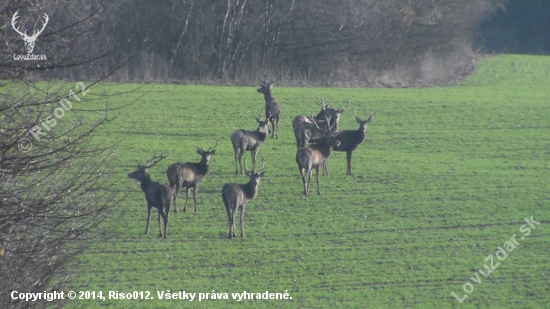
[
  {"x": 248, "y": 173},
  {"x": 199, "y": 152},
  {"x": 212, "y": 152},
  {"x": 261, "y": 174},
  {"x": 359, "y": 121}
]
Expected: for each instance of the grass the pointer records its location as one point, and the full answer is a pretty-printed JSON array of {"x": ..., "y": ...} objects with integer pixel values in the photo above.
[{"x": 446, "y": 176}]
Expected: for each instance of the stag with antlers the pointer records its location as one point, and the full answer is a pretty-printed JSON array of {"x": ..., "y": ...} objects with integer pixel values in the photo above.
[
  {"x": 272, "y": 107},
  {"x": 315, "y": 155},
  {"x": 157, "y": 195},
  {"x": 351, "y": 139},
  {"x": 189, "y": 175},
  {"x": 306, "y": 132},
  {"x": 29, "y": 40},
  {"x": 235, "y": 196},
  {"x": 244, "y": 140}
]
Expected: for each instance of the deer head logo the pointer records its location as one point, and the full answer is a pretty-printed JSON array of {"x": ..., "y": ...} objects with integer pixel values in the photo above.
[{"x": 29, "y": 40}]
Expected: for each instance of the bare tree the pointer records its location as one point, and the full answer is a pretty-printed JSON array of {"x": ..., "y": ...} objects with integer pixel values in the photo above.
[
  {"x": 56, "y": 195},
  {"x": 189, "y": 175},
  {"x": 245, "y": 140},
  {"x": 315, "y": 156},
  {"x": 157, "y": 195},
  {"x": 235, "y": 197},
  {"x": 351, "y": 139},
  {"x": 272, "y": 107}
]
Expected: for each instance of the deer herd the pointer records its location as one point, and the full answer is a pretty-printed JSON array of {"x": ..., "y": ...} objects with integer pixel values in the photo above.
[{"x": 316, "y": 138}]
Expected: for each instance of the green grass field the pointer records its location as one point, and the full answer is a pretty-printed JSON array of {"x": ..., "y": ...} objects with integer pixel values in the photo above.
[{"x": 446, "y": 176}]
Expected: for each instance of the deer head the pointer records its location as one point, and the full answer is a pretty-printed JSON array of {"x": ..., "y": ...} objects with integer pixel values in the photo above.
[
  {"x": 142, "y": 171},
  {"x": 363, "y": 123},
  {"x": 255, "y": 176},
  {"x": 263, "y": 125},
  {"x": 265, "y": 86},
  {"x": 206, "y": 154},
  {"x": 29, "y": 40}
]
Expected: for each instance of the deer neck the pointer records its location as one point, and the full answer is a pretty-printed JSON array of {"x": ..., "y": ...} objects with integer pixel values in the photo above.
[
  {"x": 146, "y": 182},
  {"x": 203, "y": 167},
  {"x": 249, "y": 190},
  {"x": 268, "y": 97},
  {"x": 261, "y": 136}
]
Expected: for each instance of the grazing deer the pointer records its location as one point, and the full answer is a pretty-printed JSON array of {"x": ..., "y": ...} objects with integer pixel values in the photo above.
[
  {"x": 351, "y": 139},
  {"x": 157, "y": 195},
  {"x": 189, "y": 175},
  {"x": 306, "y": 132},
  {"x": 272, "y": 107},
  {"x": 235, "y": 196},
  {"x": 244, "y": 140},
  {"x": 315, "y": 155}
]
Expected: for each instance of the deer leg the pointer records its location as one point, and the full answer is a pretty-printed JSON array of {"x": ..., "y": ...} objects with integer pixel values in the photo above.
[
  {"x": 277, "y": 129},
  {"x": 241, "y": 151},
  {"x": 254, "y": 153},
  {"x": 236, "y": 159},
  {"x": 148, "y": 217},
  {"x": 235, "y": 210},
  {"x": 272, "y": 128},
  {"x": 325, "y": 168},
  {"x": 348, "y": 157},
  {"x": 165, "y": 219},
  {"x": 187, "y": 199},
  {"x": 318, "y": 184},
  {"x": 175, "y": 196},
  {"x": 307, "y": 181},
  {"x": 158, "y": 219},
  {"x": 242, "y": 219},
  {"x": 195, "y": 188}
]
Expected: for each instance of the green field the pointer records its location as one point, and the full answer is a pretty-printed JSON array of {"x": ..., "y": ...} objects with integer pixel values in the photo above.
[{"x": 446, "y": 176}]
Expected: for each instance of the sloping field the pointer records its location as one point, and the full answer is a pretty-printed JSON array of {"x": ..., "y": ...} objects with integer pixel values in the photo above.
[{"x": 446, "y": 177}]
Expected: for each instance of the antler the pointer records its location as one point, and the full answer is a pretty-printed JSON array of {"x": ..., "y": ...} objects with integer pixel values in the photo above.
[
  {"x": 341, "y": 110},
  {"x": 263, "y": 166},
  {"x": 320, "y": 102},
  {"x": 46, "y": 19},
  {"x": 150, "y": 163},
  {"x": 217, "y": 142},
  {"x": 370, "y": 117},
  {"x": 277, "y": 79},
  {"x": 13, "y": 20},
  {"x": 328, "y": 124},
  {"x": 259, "y": 117}
]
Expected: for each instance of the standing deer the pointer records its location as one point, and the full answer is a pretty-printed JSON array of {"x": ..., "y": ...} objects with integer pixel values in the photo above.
[
  {"x": 244, "y": 140},
  {"x": 351, "y": 139},
  {"x": 315, "y": 155},
  {"x": 157, "y": 195},
  {"x": 306, "y": 132},
  {"x": 235, "y": 196},
  {"x": 272, "y": 107},
  {"x": 189, "y": 175}
]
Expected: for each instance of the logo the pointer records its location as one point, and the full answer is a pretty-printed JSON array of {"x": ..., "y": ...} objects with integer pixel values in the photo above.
[{"x": 29, "y": 40}]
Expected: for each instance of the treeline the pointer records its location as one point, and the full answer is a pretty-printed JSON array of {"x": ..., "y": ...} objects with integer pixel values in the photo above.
[{"x": 320, "y": 42}]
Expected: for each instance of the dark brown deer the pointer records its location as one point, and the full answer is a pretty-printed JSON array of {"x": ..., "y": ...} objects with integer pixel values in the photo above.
[
  {"x": 157, "y": 195},
  {"x": 189, "y": 175},
  {"x": 351, "y": 139},
  {"x": 315, "y": 155},
  {"x": 244, "y": 140},
  {"x": 235, "y": 196},
  {"x": 306, "y": 132},
  {"x": 272, "y": 107}
]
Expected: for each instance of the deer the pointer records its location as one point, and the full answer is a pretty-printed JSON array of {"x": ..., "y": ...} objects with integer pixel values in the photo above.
[
  {"x": 29, "y": 40},
  {"x": 306, "y": 132},
  {"x": 351, "y": 139},
  {"x": 235, "y": 196},
  {"x": 189, "y": 175},
  {"x": 244, "y": 140},
  {"x": 157, "y": 195},
  {"x": 315, "y": 155},
  {"x": 272, "y": 107}
]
